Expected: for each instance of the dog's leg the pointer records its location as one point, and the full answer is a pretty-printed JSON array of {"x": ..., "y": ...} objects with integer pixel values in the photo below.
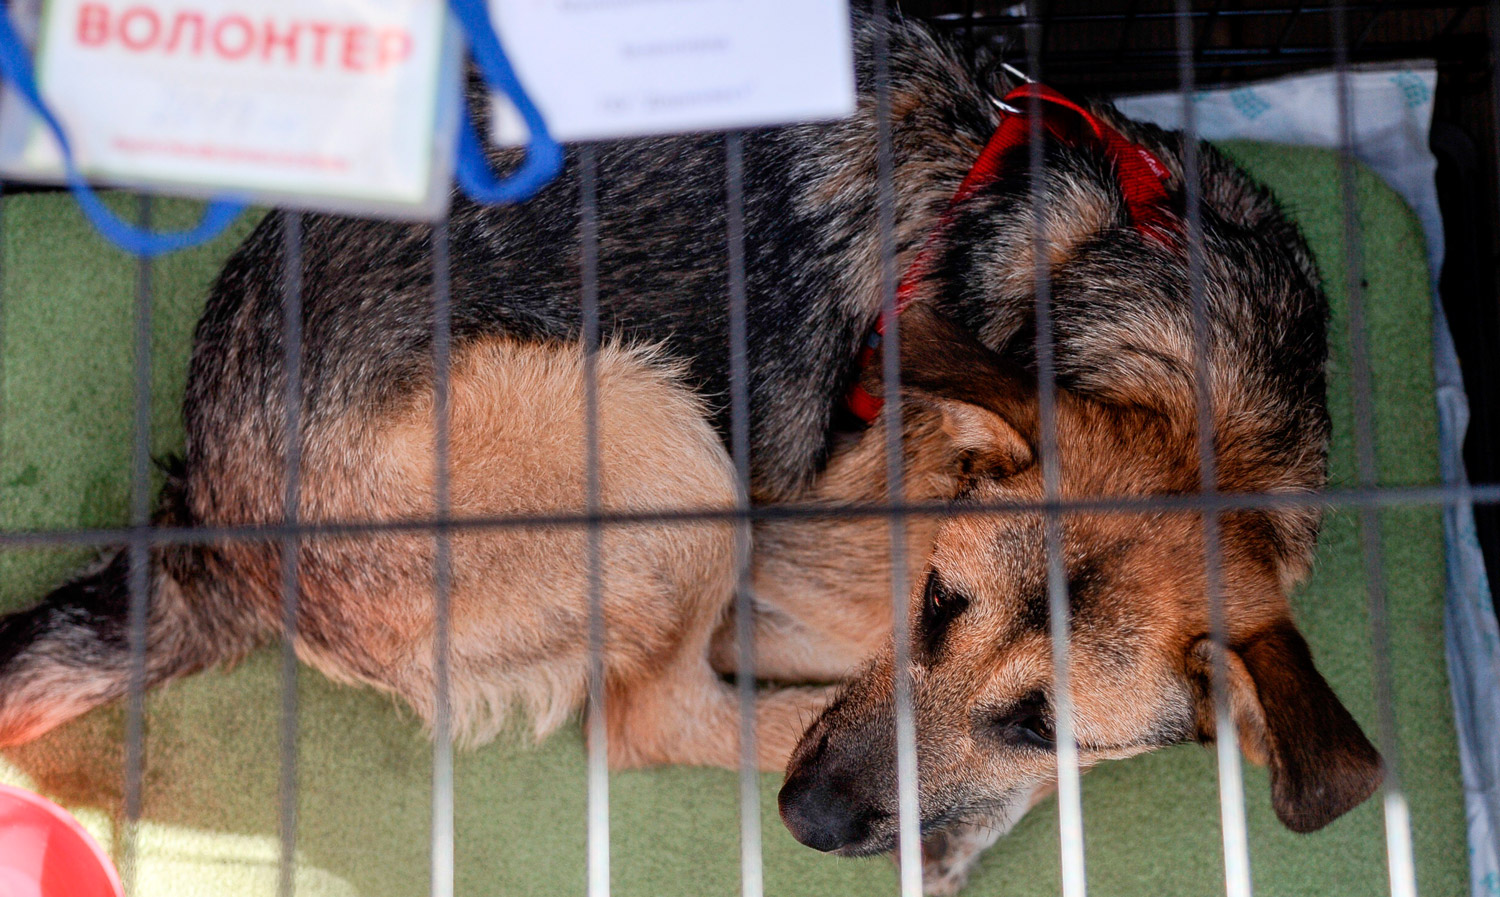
[
  {"x": 668, "y": 705},
  {"x": 822, "y": 600},
  {"x": 822, "y": 585},
  {"x": 690, "y": 716},
  {"x": 950, "y": 856},
  {"x": 519, "y": 597},
  {"x": 790, "y": 649},
  {"x": 822, "y": 597}
]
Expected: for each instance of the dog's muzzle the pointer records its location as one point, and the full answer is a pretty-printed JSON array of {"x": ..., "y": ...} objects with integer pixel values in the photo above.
[{"x": 825, "y": 812}]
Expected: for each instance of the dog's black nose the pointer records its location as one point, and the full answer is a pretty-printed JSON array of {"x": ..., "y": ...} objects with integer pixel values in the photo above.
[{"x": 821, "y": 814}]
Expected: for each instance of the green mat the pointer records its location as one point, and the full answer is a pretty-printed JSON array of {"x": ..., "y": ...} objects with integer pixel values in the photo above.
[{"x": 210, "y": 806}]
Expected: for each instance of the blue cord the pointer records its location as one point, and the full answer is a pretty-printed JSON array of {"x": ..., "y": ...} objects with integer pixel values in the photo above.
[
  {"x": 544, "y": 158},
  {"x": 15, "y": 62}
]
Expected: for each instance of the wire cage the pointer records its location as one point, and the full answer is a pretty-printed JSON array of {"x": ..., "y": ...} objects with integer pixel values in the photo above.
[{"x": 1103, "y": 49}]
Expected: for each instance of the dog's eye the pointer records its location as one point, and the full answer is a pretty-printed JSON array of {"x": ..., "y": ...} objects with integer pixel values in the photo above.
[
  {"x": 1028, "y": 723},
  {"x": 940, "y": 605}
]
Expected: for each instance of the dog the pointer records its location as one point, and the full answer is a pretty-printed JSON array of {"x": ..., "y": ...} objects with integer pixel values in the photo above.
[{"x": 1126, "y": 424}]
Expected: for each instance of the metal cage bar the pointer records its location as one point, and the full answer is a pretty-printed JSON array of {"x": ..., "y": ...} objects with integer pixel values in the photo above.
[
  {"x": 1364, "y": 33},
  {"x": 3, "y": 272},
  {"x": 908, "y": 812},
  {"x": 442, "y": 574},
  {"x": 598, "y": 744},
  {"x": 1397, "y": 820},
  {"x": 1069, "y": 784},
  {"x": 140, "y": 557},
  {"x": 1456, "y": 19},
  {"x": 1127, "y": 28},
  {"x": 1291, "y": 22},
  {"x": 1232, "y": 813},
  {"x": 752, "y": 864},
  {"x": 1330, "y": 499},
  {"x": 291, "y": 340}
]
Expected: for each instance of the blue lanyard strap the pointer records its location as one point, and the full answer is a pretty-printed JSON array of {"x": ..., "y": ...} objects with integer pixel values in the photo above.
[
  {"x": 543, "y": 160},
  {"x": 15, "y": 62}
]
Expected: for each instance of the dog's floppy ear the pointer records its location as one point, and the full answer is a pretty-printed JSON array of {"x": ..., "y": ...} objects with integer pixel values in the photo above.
[
  {"x": 988, "y": 404},
  {"x": 1322, "y": 765}
]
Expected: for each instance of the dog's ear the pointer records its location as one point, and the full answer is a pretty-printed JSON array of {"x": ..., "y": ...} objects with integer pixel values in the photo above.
[
  {"x": 984, "y": 441},
  {"x": 1322, "y": 765},
  {"x": 988, "y": 404}
]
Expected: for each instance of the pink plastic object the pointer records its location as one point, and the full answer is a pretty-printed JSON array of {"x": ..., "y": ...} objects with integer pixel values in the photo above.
[{"x": 44, "y": 852}]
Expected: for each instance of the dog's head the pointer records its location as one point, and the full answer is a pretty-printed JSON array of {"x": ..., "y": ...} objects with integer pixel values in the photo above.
[{"x": 1141, "y": 662}]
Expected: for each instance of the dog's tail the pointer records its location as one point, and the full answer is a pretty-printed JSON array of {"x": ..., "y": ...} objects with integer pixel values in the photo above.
[{"x": 73, "y": 652}]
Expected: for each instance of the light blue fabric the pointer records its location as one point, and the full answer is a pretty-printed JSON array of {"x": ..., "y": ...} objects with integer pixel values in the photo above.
[{"x": 1392, "y": 114}]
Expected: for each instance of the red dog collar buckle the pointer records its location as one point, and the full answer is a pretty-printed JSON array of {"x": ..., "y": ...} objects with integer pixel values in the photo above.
[{"x": 1142, "y": 179}]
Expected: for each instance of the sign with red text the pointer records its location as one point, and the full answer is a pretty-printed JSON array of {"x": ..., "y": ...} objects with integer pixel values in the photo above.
[
  {"x": 622, "y": 68},
  {"x": 338, "y": 104}
]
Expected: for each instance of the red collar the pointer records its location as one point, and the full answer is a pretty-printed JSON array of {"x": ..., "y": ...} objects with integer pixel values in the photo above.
[{"x": 1142, "y": 178}]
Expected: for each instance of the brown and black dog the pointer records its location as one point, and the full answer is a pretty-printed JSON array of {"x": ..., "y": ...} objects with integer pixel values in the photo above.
[{"x": 1127, "y": 426}]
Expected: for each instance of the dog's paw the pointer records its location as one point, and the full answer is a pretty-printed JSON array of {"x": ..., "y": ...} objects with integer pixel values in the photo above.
[{"x": 949, "y": 856}]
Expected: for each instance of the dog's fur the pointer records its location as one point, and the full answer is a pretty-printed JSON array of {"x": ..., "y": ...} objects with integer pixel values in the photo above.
[{"x": 1126, "y": 426}]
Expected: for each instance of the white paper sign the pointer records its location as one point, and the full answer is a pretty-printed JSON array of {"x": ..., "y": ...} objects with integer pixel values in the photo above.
[
  {"x": 313, "y": 102},
  {"x": 621, "y": 68}
]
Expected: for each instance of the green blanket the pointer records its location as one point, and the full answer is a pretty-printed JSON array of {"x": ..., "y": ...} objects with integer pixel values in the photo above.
[{"x": 210, "y": 803}]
